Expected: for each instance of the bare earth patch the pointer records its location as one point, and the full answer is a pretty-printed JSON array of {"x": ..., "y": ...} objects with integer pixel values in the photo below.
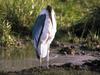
[{"x": 55, "y": 60}]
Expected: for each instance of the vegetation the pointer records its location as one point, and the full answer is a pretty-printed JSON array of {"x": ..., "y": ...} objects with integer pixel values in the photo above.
[{"x": 77, "y": 21}]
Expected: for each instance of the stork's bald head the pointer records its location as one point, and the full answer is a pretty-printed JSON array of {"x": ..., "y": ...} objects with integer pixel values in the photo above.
[{"x": 49, "y": 8}]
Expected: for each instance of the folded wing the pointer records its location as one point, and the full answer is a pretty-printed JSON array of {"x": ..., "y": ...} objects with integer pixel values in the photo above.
[{"x": 38, "y": 29}]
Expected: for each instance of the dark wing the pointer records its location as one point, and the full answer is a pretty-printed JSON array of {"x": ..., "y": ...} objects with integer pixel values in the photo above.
[{"x": 38, "y": 28}]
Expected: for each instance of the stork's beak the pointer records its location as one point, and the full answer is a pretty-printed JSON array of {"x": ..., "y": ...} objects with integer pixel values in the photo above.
[
  {"x": 49, "y": 9},
  {"x": 50, "y": 15}
]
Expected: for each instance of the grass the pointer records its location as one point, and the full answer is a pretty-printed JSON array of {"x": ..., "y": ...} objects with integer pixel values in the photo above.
[
  {"x": 18, "y": 16},
  {"x": 57, "y": 71},
  {"x": 20, "y": 51}
]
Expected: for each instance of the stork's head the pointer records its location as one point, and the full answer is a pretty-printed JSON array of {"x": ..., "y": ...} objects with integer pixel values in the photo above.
[{"x": 49, "y": 9}]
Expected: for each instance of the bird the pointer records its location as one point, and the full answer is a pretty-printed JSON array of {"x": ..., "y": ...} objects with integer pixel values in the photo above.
[{"x": 44, "y": 31}]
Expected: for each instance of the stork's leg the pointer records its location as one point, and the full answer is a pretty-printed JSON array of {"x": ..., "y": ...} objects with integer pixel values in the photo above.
[
  {"x": 48, "y": 59},
  {"x": 40, "y": 62}
]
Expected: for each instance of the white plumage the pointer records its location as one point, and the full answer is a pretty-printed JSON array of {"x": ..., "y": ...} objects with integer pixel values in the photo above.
[{"x": 46, "y": 34}]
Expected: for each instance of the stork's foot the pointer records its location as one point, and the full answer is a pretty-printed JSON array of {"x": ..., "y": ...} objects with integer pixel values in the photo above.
[{"x": 40, "y": 67}]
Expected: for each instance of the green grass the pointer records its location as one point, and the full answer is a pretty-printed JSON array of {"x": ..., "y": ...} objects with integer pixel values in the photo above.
[
  {"x": 20, "y": 51},
  {"x": 17, "y": 18}
]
